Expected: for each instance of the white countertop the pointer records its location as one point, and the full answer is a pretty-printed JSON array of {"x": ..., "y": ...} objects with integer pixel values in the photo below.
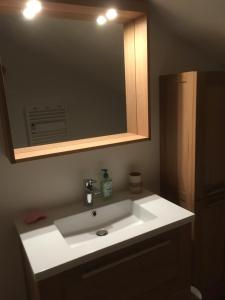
[{"x": 49, "y": 254}]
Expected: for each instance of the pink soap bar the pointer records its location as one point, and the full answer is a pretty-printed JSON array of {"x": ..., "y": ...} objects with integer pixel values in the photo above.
[{"x": 34, "y": 216}]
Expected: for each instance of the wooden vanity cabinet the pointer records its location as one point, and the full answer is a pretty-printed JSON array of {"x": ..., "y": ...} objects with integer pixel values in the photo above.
[
  {"x": 156, "y": 269},
  {"x": 192, "y": 113}
]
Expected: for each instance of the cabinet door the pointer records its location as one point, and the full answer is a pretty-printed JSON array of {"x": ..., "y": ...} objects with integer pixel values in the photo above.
[
  {"x": 152, "y": 269},
  {"x": 210, "y": 159},
  {"x": 177, "y": 131},
  {"x": 209, "y": 246}
]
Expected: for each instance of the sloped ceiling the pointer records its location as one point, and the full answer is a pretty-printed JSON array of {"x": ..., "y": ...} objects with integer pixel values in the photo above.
[{"x": 201, "y": 22}]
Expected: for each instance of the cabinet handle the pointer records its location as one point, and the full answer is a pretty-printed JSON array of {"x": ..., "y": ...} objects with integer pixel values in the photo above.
[
  {"x": 124, "y": 260},
  {"x": 216, "y": 192},
  {"x": 216, "y": 202},
  {"x": 215, "y": 197}
]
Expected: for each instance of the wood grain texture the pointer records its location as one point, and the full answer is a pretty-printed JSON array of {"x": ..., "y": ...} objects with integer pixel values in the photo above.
[
  {"x": 27, "y": 153},
  {"x": 130, "y": 77},
  {"x": 131, "y": 5},
  {"x": 141, "y": 58},
  {"x": 136, "y": 71},
  {"x": 210, "y": 167},
  {"x": 192, "y": 109},
  {"x": 186, "y": 117},
  {"x": 178, "y": 116},
  {"x": 87, "y": 10}
]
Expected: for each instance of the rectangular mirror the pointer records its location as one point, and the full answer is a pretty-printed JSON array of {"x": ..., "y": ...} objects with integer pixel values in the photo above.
[
  {"x": 69, "y": 84},
  {"x": 66, "y": 81}
]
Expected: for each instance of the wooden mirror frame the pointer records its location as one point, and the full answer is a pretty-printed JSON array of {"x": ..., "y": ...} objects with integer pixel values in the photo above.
[{"x": 132, "y": 14}]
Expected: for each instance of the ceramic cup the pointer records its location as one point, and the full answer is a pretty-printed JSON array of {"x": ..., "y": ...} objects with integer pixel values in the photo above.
[{"x": 135, "y": 182}]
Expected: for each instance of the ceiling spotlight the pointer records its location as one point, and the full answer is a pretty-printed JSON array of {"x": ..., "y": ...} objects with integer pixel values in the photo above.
[
  {"x": 33, "y": 7},
  {"x": 28, "y": 13},
  {"x": 111, "y": 14},
  {"x": 101, "y": 20}
]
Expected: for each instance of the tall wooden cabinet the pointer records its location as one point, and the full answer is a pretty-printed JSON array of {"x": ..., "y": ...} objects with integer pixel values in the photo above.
[{"x": 192, "y": 114}]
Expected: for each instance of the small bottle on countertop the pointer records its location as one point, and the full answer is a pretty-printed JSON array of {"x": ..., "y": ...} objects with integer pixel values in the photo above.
[
  {"x": 106, "y": 184},
  {"x": 135, "y": 182}
]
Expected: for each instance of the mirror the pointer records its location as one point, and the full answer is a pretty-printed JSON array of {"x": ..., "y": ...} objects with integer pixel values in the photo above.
[
  {"x": 64, "y": 79},
  {"x": 67, "y": 84}
]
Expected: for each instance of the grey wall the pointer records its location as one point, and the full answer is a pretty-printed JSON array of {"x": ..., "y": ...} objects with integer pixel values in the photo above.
[
  {"x": 55, "y": 181},
  {"x": 201, "y": 23}
]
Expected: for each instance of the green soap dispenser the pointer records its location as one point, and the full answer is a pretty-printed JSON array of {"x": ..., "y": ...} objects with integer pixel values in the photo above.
[{"x": 106, "y": 184}]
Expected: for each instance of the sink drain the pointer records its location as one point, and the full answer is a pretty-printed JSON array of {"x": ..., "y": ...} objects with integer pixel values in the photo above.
[{"x": 102, "y": 232}]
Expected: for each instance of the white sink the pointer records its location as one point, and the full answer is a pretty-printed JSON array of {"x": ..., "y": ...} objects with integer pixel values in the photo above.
[
  {"x": 59, "y": 244},
  {"x": 118, "y": 217}
]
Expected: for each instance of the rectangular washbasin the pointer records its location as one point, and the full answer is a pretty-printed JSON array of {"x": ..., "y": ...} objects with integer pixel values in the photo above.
[{"x": 114, "y": 218}]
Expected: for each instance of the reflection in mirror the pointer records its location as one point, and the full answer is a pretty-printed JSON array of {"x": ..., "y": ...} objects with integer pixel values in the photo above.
[{"x": 64, "y": 79}]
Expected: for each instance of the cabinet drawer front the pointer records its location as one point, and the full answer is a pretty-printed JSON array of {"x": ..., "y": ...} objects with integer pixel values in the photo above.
[
  {"x": 129, "y": 258},
  {"x": 128, "y": 276}
]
